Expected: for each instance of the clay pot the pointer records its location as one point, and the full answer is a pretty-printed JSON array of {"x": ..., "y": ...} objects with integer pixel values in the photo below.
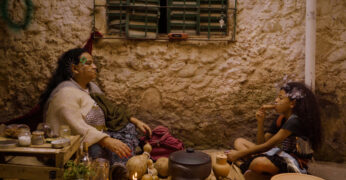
[
  {"x": 221, "y": 168},
  {"x": 189, "y": 165}
]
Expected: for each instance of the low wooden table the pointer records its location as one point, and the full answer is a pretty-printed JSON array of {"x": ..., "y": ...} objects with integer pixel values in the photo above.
[{"x": 60, "y": 157}]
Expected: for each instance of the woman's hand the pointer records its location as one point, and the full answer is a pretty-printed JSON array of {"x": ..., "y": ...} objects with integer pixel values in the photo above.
[
  {"x": 141, "y": 125},
  {"x": 116, "y": 146},
  {"x": 233, "y": 155}
]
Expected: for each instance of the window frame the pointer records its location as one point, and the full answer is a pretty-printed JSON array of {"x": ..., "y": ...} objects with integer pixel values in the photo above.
[{"x": 231, "y": 13}]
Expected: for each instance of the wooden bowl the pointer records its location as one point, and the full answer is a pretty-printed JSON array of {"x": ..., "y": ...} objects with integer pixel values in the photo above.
[{"x": 295, "y": 176}]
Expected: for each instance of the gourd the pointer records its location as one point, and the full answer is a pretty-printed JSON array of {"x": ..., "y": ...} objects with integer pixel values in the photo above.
[
  {"x": 139, "y": 163},
  {"x": 147, "y": 177},
  {"x": 147, "y": 148},
  {"x": 161, "y": 165},
  {"x": 151, "y": 170}
]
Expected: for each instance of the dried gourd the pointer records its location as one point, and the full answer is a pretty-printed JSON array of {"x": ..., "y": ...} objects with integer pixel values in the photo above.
[
  {"x": 147, "y": 177},
  {"x": 161, "y": 165},
  {"x": 151, "y": 170},
  {"x": 138, "y": 164}
]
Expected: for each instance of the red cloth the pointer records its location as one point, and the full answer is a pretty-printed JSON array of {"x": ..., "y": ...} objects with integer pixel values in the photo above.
[
  {"x": 162, "y": 142},
  {"x": 32, "y": 118},
  {"x": 89, "y": 45}
]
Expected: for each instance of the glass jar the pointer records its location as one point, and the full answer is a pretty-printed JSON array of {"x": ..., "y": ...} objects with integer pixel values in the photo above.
[
  {"x": 46, "y": 129},
  {"x": 100, "y": 167},
  {"x": 24, "y": 137},
  {"x": 65, "y": 131},
  {"x": 37, "y": 138}
]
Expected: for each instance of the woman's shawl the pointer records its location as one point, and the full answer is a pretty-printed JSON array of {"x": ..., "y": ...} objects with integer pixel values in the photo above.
[{"x": 116, "y": 116}]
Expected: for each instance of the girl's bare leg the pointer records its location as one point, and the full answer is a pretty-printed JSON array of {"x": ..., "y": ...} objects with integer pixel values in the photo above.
[
  {"x": 242, "y": 144},
  {"x": 263, "y": 165}
]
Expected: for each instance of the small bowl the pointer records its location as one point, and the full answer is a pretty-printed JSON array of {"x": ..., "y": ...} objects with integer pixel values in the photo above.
[{"x": 61, "y": 143}]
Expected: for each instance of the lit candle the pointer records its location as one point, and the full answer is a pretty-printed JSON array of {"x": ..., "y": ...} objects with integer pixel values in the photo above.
[{"x": 134, "y": 177}]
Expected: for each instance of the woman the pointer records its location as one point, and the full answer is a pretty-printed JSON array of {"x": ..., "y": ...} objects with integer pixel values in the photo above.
[
  {"x": 297, "y": 127},
  {"x": 68, "y": 101}
]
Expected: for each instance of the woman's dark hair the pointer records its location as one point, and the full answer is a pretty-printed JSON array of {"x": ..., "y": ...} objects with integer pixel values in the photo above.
[
  {"x": 63, "y": 72},
  {"x": 307, "y": 109}
]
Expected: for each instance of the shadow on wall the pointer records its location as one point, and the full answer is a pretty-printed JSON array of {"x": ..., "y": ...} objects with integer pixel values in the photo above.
[{"x": 334, "y": 129}]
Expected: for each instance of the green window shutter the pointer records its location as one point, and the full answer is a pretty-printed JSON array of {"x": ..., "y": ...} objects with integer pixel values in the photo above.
[
  {"x": 133, "y": 18},
  {"x": 183, "y": 16},
  {"x": 142, "y": 19},
  {"x": 212, "y": 14},
  {"x": 197, "y": 17},
  {"x": 116, "y": 17}
]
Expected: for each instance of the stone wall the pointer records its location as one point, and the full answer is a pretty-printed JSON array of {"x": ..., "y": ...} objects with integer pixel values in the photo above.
[
  {"x": 205, "y": 92},
  {"x": 331, "y": 76}
]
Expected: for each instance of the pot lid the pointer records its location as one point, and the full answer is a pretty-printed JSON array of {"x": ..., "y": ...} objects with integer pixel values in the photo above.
[{"x": 189, "y": 157}]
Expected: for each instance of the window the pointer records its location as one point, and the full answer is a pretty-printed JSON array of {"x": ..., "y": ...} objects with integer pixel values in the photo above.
[{"x": 154, "y": 19}]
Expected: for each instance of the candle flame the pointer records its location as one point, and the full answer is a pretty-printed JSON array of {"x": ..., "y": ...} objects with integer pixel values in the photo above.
[{"x": 134, "y": 177}]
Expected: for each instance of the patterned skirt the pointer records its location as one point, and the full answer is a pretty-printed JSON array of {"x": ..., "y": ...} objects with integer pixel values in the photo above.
[{"x": 127, "y": 135}]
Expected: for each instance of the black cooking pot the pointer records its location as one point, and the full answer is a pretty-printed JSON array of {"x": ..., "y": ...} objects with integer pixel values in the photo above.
[{"x": 189, "y": 165}]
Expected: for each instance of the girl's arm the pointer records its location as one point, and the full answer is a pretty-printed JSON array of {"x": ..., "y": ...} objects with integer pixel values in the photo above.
[
  {"x": 267, "y": 136},
  {"x": 260, "y": 116},
  {"x": 260, "y": 132},
  {"x": 272, "y": 142}
]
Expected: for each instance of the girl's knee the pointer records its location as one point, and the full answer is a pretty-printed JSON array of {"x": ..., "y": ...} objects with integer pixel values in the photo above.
[
  {"x": 239, "y": 142},
  {"x": 263, "y": 165}
]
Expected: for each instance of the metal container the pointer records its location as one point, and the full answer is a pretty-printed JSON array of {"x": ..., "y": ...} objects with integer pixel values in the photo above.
[{"x": 189, "y": 165}]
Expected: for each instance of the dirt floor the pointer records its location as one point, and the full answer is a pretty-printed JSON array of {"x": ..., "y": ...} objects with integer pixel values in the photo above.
[
  {"x": 328, "y": 170},
  {"x": 325, "y": 170}
]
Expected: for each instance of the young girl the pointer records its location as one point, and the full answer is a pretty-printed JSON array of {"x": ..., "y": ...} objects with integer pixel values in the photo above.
[{"x": 287, "y": 142}]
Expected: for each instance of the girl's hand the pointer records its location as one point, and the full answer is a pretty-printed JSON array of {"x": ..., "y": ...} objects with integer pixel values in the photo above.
[
  {"x": 233, "y": 155},
  {"x": 260, "y": 115},
  {"x": 142, "y": 126},
  {"x": 116, "y": 146}
]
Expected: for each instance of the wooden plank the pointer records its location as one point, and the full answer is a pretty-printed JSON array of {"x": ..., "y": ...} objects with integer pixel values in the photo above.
[
  {"x": 28, "y": 172},
  {"x": 30, "y": 150},
  {"x": 46, "y": 145},
  {"x": 71, "y": 150},
  {"x": 59, "y": 160},
  {"x": 65, "y": 154}
]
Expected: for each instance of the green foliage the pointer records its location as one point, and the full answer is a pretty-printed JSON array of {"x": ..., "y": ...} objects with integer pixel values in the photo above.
[{"x": 77, "y": 171}]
